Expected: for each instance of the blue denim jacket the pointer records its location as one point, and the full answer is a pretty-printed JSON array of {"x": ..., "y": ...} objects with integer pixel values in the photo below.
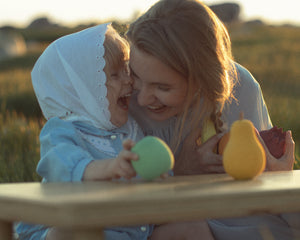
[{"x": 64, "y": 156}]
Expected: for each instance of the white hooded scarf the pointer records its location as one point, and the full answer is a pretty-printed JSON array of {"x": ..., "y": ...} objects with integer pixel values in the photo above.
[{"x": 69, "y": 80}]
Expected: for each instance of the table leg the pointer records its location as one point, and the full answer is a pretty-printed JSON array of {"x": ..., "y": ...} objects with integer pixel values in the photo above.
[
  {"x": 6, "y": 230},
  {"x": 88, "y": 234}
]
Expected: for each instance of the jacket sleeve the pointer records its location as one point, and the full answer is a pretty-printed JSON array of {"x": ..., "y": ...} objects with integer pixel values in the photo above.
[
  {"x": 63, "y": 156},
  {"x": 31, "y": 232},
  {"x": 249, "y": 100}
]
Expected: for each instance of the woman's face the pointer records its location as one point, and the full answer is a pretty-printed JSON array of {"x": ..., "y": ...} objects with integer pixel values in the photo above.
[
  {"x": 119, "y": 89},
  {"x": 161, "y": 90}
]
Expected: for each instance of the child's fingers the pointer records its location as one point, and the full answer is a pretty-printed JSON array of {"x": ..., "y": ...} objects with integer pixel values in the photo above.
[
  {"x": 126, "y": 170},
  {"x": 128, "y": 144},
  {"x": 128, "y": 155}
]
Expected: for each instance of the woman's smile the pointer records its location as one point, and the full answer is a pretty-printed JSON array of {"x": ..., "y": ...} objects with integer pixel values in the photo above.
[{"x": 155, "y": 108}]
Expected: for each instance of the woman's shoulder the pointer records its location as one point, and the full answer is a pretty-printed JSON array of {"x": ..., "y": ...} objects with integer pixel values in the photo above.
[
  {"x": 247, "y": 87},
  {"x": 245, "y": 78},
  {"x": 248, "y": 98}
]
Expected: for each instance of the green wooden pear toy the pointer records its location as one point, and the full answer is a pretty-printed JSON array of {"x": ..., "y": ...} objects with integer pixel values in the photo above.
[{"x": 155, "y": 157}]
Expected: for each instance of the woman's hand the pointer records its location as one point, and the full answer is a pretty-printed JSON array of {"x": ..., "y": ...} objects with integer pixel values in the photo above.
[
  {"x": 284, "y": 163},
  {"x": 194, "y": 159},
  {"x": 119, "y": 167}
]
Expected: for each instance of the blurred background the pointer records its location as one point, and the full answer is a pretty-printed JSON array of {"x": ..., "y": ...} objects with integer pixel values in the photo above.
[{"x": 265, "y": 37}]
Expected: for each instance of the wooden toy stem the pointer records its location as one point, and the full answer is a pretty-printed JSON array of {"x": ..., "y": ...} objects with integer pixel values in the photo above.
[{"x": 241, "y": 115}]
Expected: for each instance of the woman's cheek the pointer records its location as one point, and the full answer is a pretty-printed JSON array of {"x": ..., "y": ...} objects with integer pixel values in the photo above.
[{"x": 172, "y": 100}]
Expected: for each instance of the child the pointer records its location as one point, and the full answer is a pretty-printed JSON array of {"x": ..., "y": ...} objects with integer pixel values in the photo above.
[{"x": 83, "y": 87}]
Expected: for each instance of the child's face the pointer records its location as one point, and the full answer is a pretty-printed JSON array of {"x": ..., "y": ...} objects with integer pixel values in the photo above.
[{"x": 119, "y": 89}]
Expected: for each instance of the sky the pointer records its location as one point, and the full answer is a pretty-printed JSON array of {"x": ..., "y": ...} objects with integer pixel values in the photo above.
[{"x": 21, "y": 13}]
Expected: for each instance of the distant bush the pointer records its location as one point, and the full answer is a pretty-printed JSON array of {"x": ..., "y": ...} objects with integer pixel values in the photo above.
[
  {"x": 49, "y": 34},
  {"x": 26, "y": 61},
  {"x": 46, "y": 35}
]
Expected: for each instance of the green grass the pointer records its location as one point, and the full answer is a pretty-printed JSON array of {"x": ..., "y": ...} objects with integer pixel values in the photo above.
[
  {"x": 19, "y": 148},
  {"x": 20, "y": 124},
  {"x": 272, "y": 54}
]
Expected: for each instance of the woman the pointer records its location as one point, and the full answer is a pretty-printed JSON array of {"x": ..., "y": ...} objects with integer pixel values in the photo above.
[{"x": 185, "y": 75}]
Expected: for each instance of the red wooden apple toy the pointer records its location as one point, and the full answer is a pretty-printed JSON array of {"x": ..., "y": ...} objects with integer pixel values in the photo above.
[{"x": 274, "y": 139}]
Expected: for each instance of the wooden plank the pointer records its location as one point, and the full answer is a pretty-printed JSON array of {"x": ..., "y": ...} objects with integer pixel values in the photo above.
[{"x": 102, "y": 204}]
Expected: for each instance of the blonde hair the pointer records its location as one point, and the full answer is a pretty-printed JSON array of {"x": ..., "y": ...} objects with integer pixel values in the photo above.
[
  {"x": 188, "y": 37},
  {"x": 116, "y": 49}
]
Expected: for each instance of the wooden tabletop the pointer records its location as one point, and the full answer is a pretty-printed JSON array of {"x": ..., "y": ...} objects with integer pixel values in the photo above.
[{"x": 105, "y": 204}]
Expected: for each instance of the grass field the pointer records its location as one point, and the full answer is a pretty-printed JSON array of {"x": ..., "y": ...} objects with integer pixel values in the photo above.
[{"x": 272, "y": 54}]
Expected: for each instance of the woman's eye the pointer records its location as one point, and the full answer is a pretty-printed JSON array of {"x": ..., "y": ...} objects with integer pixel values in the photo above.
[{"x": 164, "y": 88}]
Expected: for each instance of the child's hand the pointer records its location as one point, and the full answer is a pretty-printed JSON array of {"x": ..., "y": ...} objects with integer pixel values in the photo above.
[
  {"x": 118, "y": 167},
  {"x": 121, "y": 166}
]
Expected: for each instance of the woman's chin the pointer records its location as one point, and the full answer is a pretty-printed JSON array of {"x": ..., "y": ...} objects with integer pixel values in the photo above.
[{"x": 159, "y": 115}]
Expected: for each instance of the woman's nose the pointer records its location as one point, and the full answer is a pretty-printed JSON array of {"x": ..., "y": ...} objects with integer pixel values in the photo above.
[{"x": 145, "y": 97}]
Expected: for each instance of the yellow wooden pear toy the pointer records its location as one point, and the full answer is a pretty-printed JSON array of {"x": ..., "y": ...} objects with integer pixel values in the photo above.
[{"x": 244, "y": 157}]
